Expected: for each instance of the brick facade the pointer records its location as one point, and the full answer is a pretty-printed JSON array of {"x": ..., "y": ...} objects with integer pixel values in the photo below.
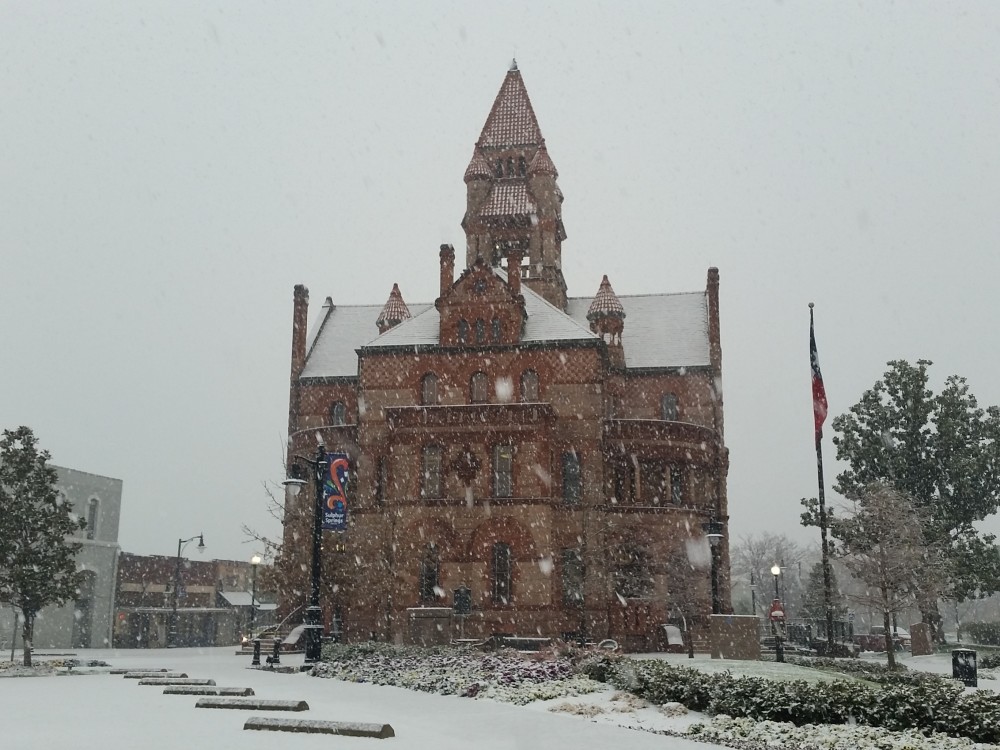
[{"x": 556, "y": 482}]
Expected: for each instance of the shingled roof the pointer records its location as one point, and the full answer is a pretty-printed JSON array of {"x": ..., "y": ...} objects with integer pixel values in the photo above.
[{"x": 512, "y": 120}]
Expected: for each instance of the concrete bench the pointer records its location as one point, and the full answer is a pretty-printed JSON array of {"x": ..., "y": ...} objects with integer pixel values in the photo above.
[
  {"x": 252, "y": 704},
  {"x": 207, "y": 690},
  {"x": 147, "y": 675},
  {"x": 179, "y": 681},
  {"x": 122, "y": 670},
  {"x": 345, "y": 728}
]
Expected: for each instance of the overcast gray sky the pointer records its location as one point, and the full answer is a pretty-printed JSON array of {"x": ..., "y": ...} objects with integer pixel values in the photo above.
[{"x": 168, "y": 171}]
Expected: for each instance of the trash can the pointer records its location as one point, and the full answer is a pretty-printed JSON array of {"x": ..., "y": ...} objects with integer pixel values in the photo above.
[{"x": 963, "y": 666}]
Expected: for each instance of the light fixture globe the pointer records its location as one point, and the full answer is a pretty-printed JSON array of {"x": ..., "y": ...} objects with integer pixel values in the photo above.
[
  {"x": 293, "y": 486},
  {"x": 775, "y": 570}
]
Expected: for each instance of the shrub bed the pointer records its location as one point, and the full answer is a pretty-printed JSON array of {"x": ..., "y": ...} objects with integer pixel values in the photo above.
[
  {"x": 867, "y": 670},
  {"x": 506, "y": 676},
  {"x": 927, "y": 706}
]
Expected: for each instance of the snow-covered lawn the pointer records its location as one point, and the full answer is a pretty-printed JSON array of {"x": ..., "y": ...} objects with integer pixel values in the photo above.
[
  {"x": 104, "y": 711},
  {"x": 94, "y": 709}
]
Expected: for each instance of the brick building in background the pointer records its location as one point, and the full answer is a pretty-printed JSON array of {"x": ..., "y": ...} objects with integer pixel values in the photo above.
[
  {"x": 213, "y": 606},
  {"x": 557, "y": 455}
]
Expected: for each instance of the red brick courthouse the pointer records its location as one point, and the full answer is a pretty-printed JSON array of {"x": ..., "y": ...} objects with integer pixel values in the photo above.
[{"x": 557, "y": 455}]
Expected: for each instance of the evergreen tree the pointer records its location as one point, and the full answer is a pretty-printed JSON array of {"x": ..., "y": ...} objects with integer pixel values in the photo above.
[
  {"x": 944, "y": 452},
  {"x": 37, "y": 558},
  {"x": 813, "y": 603}
]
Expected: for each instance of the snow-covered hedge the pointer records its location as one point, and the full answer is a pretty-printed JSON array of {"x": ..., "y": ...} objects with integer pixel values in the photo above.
[
  {"x": 926, "y": 707},
  {"x": 866, "y": 670},
  {"x": 747, "y": 733},
  {"x": 506, "y": 676}
]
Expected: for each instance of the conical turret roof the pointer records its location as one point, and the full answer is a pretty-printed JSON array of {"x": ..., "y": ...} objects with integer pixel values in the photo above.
[
  {"x": 512, "y": 120},
  {"x": 478, "y": 168},
  {"x": 542, "y": 163},
  {"x": 606, "y": 303},
  {"x": 395, "y": 310}
]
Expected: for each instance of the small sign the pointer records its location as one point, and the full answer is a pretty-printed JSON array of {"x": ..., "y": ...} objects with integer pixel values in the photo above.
[{"x": 777, "y": 610}]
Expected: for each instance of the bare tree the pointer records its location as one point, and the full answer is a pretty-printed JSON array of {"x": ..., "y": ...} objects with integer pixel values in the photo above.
[
  {"x": 752, "y": 559},
  {"x": 881, "y": 541}
]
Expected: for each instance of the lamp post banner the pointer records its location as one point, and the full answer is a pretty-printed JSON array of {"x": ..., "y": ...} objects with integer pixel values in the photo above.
[{"x": 335, "y": 492}]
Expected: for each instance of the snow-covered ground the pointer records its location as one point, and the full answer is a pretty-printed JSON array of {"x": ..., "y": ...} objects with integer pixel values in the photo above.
[
  {"x": 103, "y": 711},
  {"x": 94, "y": 709}
]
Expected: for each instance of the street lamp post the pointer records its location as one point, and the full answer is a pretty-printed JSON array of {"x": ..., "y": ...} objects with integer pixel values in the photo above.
[
  {"x": 713, "y": 530},
  {"x": 779, "y": 653},
  {"x": 254, "y": 562},
  {"x": 172, "y": 632},
  {"x": 314, "y": 625}
]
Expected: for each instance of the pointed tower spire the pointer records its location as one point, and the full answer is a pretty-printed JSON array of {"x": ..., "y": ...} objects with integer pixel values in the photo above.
[
  {"x": 512, "y": 199},
  {"x": 607, "y": 319},
  {"x": 394, "y": 312}
]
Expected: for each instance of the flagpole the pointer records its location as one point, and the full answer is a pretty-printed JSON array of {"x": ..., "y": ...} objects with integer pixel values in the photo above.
[{"x": 817, "y": 395}]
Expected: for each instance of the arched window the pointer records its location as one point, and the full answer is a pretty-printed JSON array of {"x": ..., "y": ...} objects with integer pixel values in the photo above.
[
  {"x": 92, "y": 509},
  {"x": 480, "y": 331},
  {"x": 529, "y": 386},
  {"x": 432, "y": 472},
  {"x": 496, "y": 330},
  {"x": 429, "y": 389},
  {"x": 338, "y": 413},
  {"x": 522, "y": 166},
  {"x": 502, "y": 569},
  {"x": 571, "y": 485},
  {"x": 499, "y": 167},
  {"x": 510, "y": 166},
  {"x": 463, "y": 331},
  {"x": 479, "y": 388},
  {"x": 381, "y": 480},
  {"x": 668, "y": 407},
  {"x": 430, "y": 574},
  {"x": 503, "y": 471}
]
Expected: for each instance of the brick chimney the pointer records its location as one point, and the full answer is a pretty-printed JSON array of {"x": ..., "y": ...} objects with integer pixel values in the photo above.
[
  {"x": 447, "y": 268},
  {"x": 300, "y": 323},
  {"x": 514, "y": 257}
]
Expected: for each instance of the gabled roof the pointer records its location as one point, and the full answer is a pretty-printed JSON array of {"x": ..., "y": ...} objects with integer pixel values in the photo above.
[
  {"x": 512, "y": 120},
  {"x": 661, "y": 330},
  {"x": 337, "y": 334},
  {"x": 545, "y": 323},
  {"x": 542, "y": 163}
]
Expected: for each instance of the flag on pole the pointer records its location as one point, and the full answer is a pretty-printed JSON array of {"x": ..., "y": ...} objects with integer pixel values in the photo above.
[{"x": 820, "y": 405}]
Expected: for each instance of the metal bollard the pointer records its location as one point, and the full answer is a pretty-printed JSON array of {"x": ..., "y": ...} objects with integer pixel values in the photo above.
[
  {"x": 276, "y": 659},
  {"x": 256, "y": 653}
]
